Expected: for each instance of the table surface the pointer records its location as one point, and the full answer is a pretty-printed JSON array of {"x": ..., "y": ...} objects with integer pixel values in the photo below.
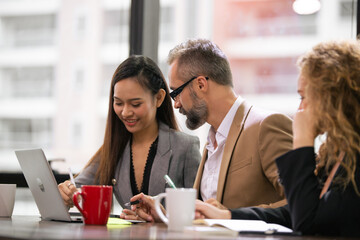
[{"x": 32, "y": 227}]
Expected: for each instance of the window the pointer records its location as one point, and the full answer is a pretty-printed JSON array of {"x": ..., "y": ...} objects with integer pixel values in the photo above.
[
  {"x": 53, "y": 89},
  {"x": 25, "y": 133},
  {"x": 167, "y": 31},
  {"x": 27, "y": 82},
  {"x": 347, "y": 9},
  {"x": 116, "y": 26},
  {"x": 28, "y": 30},
  {"x": 264, "y": 18},
  {"x": 106, "y": 76}
]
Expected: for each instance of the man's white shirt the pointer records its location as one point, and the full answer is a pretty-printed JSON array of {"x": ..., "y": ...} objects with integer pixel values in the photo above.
[{"x": 210, "y": 177}]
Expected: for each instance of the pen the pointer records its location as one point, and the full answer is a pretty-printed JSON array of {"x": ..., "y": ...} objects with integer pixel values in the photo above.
[
  {"x": 169, "y": 181},
  {"x": 128, "y": 204},
  {"x": 71, "y": 177}
]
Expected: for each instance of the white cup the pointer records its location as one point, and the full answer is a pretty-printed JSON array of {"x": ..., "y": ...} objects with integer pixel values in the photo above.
[
  {"x": 7, "y": 199},
  {"x": 180, "y": 207}
]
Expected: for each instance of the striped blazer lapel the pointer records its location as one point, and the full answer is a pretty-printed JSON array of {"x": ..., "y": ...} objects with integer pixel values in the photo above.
[
  {"x": 122, "y": 175},
  {"x": 161, "y": 162}
]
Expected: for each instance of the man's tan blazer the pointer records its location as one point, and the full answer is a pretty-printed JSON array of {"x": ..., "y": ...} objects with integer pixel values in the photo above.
[{"x": 248, "y": 173}]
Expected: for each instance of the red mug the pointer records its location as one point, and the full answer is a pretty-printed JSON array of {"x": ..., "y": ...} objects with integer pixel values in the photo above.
[{"x": 96, "y": 203}]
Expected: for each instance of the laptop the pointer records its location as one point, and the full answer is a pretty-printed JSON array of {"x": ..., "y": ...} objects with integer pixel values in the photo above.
[{"x": 43, "y": 186}]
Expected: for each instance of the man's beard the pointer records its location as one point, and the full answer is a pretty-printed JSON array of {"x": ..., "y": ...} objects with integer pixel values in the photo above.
[{"x": 197, "y": 115}]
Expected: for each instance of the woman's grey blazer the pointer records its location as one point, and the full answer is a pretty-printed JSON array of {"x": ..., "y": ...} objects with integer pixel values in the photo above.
[{"x": 177, "y": 155}]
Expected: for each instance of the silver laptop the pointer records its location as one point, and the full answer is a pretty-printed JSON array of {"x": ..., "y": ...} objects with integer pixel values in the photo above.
[{"x": 43, "y": 186}]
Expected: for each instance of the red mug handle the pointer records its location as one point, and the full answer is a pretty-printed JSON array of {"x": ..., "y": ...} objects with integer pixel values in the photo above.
[{"x": 76, "y": 203}]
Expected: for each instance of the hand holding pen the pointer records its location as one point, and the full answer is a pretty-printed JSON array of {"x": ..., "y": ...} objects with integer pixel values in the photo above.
[
  {"x": 67, "y": 189},
  {"x": 72, "y": 180},
  {"x": 128, "y": 204},
  {"x": 143, "y": 206},
  {"x": 167, "y": 180}
]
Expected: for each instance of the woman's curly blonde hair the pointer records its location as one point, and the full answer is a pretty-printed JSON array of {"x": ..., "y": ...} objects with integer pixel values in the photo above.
[{"x": 332, "y": 73}]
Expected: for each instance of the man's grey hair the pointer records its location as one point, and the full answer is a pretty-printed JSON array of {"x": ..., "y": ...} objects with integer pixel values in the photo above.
[{"x": 201, "y": 57}]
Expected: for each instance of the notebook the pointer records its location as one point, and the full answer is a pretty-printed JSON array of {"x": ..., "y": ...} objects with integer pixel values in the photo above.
[
  {"x": 43, "y": 186},
  {"x": 247, "y": 226}
]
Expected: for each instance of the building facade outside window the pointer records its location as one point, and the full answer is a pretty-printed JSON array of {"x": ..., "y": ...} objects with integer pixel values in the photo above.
[{"x": 57, "y": 58}]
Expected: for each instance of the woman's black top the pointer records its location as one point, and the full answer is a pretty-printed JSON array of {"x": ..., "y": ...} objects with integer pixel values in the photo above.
[
  {"x": 146, "y": 175},
  {"x": 337, "y": 213}
]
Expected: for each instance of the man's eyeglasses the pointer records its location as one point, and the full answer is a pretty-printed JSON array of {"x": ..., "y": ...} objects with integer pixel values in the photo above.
[{"x": 177, "y": 91}]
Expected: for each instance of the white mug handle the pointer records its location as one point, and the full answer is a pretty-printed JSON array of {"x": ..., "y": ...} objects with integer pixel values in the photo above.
[{"x": 158, "y": 209}]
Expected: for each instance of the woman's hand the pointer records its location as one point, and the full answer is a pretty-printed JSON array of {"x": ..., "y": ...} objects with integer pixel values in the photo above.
[
  {"x": 303, "y": 129},
  {"x": 215, "y": 203},
  {"x": 206, "y": 210},
  {"x": 145, "y": 210},
  {"x": 130, "y": 215},
  {"x": 67, "y": 190}
]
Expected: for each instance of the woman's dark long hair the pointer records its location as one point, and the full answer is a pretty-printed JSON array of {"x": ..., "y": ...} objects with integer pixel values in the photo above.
[{"x": 149, "y": 76}]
